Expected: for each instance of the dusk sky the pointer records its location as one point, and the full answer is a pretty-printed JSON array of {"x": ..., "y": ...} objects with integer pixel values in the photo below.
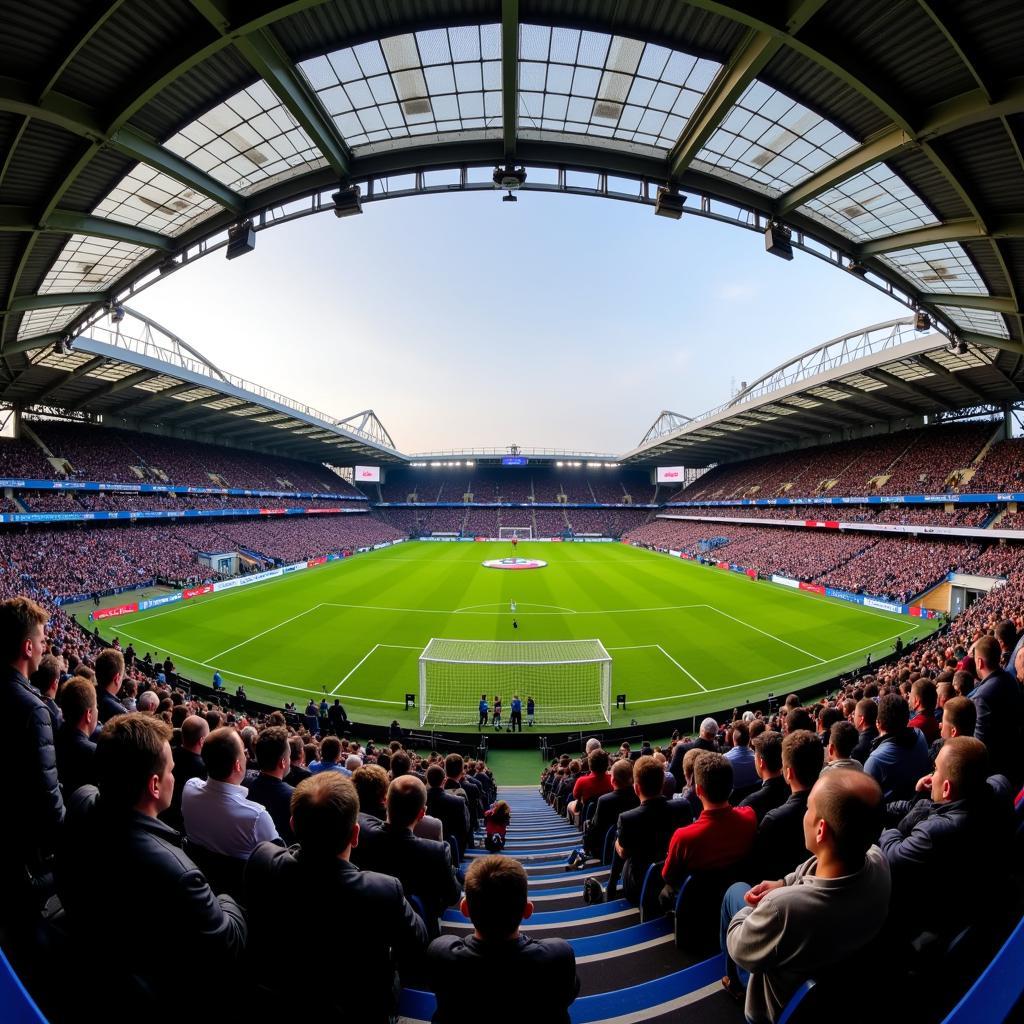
[{"x": 557, "y": 321}]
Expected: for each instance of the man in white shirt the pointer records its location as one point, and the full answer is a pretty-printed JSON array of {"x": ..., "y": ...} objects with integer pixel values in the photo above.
[{"x": 217, "y": 812}]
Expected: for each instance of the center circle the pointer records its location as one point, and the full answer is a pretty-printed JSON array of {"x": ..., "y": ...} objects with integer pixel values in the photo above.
[{"x": 514, "y": 563}]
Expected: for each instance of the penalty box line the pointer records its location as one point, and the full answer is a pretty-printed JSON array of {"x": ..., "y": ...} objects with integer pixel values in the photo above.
[
  {"x": 686, "y": 672},
  {"x": 355, "y": 668}
]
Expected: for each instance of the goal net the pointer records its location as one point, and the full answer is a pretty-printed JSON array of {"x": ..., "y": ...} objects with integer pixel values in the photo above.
[
  {"x": 570, "y": 681},
  {"x": 522, "y": 532}
]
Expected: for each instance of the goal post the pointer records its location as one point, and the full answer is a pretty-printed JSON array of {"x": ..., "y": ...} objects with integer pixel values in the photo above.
[
  {"x": 519, "y": 532},
  {"x": 570, "y": 681}
]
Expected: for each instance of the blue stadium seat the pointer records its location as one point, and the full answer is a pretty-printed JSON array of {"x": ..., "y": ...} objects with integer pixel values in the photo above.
[
  {"x": 998, "y": 989},
  {"x": 650, "y": 891},
  {"x": 16, "y": 1005}
]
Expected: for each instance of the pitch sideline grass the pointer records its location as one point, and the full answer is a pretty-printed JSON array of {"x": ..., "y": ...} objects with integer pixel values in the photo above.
[{"x": 684, "y": 638}]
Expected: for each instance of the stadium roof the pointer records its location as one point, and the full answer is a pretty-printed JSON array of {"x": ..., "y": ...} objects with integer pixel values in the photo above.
[
  {"x": 886, "y": 373},
  {"x": 133, "y": 133}
]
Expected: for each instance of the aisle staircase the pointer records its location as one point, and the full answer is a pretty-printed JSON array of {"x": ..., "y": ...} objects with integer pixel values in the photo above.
[{"x": 629, "y": 969}]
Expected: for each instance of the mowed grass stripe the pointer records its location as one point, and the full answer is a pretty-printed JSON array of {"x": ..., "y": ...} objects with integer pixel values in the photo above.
[{"x": 364, "y": 620}]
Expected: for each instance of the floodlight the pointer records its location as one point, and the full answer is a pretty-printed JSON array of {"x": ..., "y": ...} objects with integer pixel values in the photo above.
[
  {"x": 669, "y": 203},
  {"x": 511, "y": 179},
  {"x": 241, "y": 239},
  {"x": 777, "y": 241},
  {"x": 347, "y": 202},
  {"x": 922, "y": 321},
  {"x": 857, "y": 268},
  {"x": 116, "y": 314}
]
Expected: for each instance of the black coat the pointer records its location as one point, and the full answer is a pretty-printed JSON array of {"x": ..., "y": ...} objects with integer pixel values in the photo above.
[
  {"x": 471, "y": 980},
  {"x": 108, "y": 706},
  {"x": 371, "y": 922},
  {"x": 609, "y": 807},
  {"x": 423, "y": 866},
  {"x": 75, "y": 759},
  {"x": 676, "y": 767},
  {"x": 998, "y": 702},
  {"x": 452, "y": 812},
  {"x": 773, "y": 792},
  {"x": 644, "y": 835},
  {"x": 276, "y": 795},
  {"x": 779, "y": 844},
  {"x": 862, "y": 751},
  {"x": 170, "y": 906},
  {"x": 31, "y": 805}
]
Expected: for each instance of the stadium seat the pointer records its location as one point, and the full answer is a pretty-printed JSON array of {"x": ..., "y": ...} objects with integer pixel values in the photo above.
[
  {"x": 650, "y": 892},
  {"x": 609, "y": 844},
  {"x": 697, "y": 908},
  {"x": 16, "y": 1005}
]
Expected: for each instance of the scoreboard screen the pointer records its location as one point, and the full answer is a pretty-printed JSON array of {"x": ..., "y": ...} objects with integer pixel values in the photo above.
[
  {"x": 366, "y": 474},
  {"x": 514, "y": 460},
  {"x": 671, "y": 474}
]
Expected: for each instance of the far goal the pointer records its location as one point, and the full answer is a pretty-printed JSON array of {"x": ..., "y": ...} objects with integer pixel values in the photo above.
[
  {"x": 570, "y": 681},
  {"x": 519, "y": 532}
]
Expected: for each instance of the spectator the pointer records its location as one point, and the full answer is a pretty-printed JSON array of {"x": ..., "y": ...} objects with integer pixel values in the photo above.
[
  {"x": 998, "y": 702},
  {"x": 744, "y": 772},
  {"x": 645, "y": 831},
  {"x": 298, "y": 771},
  {"x": 959, "y": 717},
  {"x": 923, "y": 698},
  {"x": 217, "y": 814},
  {"x": 496, "y": 822},
  {"x": 188, "y": 764},
  {"x": 456, "y": 778},
  {"x": 689, "y": 791},
  {"x": 779, "y": 846},
  {"x": 30, "y": 803},
  {"x": 842, "y": 738},
  {"x": 44, "y": 681},
  {"x": 722, "y": 836},
  {"x": 451, "y": 810},
  {"x": 707, "y": 740},
  {"x": 109, "y": 667},
  {"x": 75, "y": 749},
  {"x": 371, "y": 782},
  {"x": 274, "y": 759},
  {"x": 589, "y": 787},
  {"x": 423, "y": 867},
  {"x": 148, "y": 703},
  {"x": 330, "y": 752},
  {"x": 899, "y": 757},
  {"x": 963, "y": 831},
  {"x": 463, "y": 972},
  {"x": 382, "y": 924},
  {"x": 171, "y": 906},
  {"x": 783, "y": 931},
  {"x": 865, "y": 716},
  {"x": 774, "y": 790},
  {"x": 622, "y": 798}
]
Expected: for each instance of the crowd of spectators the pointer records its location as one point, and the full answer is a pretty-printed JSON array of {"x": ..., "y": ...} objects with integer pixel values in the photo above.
[
  {"x": 122, "y": 501},
  {"x": 1002, "y": 468}
]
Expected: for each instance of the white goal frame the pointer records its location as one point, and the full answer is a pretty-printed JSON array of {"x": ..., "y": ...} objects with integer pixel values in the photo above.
[
  {"x": 519, "y": 532},
  {"x": 571, "y": 680}
]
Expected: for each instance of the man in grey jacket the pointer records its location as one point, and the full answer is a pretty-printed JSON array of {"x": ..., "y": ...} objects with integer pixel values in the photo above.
[{"x": 784, "y": 931}]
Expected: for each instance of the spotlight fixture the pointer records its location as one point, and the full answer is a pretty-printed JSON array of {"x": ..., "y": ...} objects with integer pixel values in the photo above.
[
  {"x": 777, "y": 240},
  {"x": 347, "y": 202},
  {"x": 63, "y": 345},
  {"x": 922, "y": 321},
  {"x": 958, "y": 346},
  {"x": 168, "y": 266},
  {"x": 669, "y": 203},
  {"x": 857, "y": 268},
  {"x": 116, "y": 313},
  {"x": 511, "y": 179},
  {"x": 241, "y": 239}
]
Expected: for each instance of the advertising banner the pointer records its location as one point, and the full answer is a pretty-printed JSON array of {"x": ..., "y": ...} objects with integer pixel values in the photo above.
[
  {"x": 785, "y": 581},
  {"x": 814, "y": 588},
  {"x": 206, "y": 588},
  {"x": 157, "y": 602},
  {"x": 885, "y": 606},
  {"x": 315, "y": 561},
  {"x": 109, "y": 613}
]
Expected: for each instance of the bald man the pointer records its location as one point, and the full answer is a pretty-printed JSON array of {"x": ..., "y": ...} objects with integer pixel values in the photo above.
[
  {"x": 786, "y": 930},
  {"x": 423, "y": 866},
  {"x": 188, "y": 764}
]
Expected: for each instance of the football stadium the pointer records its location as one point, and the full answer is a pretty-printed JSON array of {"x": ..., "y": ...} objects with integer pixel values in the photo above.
[{"x": 712, "y": 722}]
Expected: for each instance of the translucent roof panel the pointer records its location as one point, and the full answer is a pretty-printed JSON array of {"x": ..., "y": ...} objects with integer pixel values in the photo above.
[
  {"x": 247, "y": 140},
  {"x": 772, "y": 142},
  {"x": 943, "y": 267},
  {"x": 87, "y": 263},
  {"x": 147, "y": 198},
  {"x": 43, "y": 321},
  {"x": 984, "y": 321},
  {"x": 605, "y": 86},
  {"x": 419, "y": 83},
  {"x": 874, "y": 203}
]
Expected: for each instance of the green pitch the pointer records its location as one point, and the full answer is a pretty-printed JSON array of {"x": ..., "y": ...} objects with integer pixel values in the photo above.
[{"x": 684, "y": 638}]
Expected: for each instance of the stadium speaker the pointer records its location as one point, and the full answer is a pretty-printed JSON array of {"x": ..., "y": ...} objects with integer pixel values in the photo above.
[
  {"x": 347, "y": 202},
  {"x": 922, "y": 321},
  {"x": 669, "y": 203},
  {"x": 620, "y": 701},
  {"x": 241, "y": 239},
  {"x": 777, "y": 241}
]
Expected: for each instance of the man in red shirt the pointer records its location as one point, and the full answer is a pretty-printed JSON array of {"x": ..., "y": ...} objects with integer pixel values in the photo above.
[
  {"x": 722, "y": 835},
  {"x": 592, "y": 785},
  {"x": 923, "y": 697}
]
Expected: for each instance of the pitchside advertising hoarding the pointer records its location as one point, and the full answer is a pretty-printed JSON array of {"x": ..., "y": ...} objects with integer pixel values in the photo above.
[
  {"x": 671, "y": 474},
  {"x": 366, "y": 474}
]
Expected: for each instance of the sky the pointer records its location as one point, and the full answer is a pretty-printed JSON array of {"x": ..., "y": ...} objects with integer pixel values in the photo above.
[{"x": 558, "y": 321}]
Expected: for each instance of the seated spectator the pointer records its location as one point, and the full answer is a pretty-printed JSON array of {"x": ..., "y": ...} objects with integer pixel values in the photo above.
[
  {"x": 451, "y": 810},
  {"x": 899, "y": 757},
  {"x": 298, "y": 771},
  {"x": 774, "y": 790},
  {"x": 464, "y": 971},
  {"x": 589, "y": 787},
  {"x": 217, "y": 814},
  {"x": 188, "y": 764},
  {"x": 865, "y": 717},
  {"x": 959, "y": 717},
  {"x": 622, "y": 798},
  {"x": 274, "y": 760},
  {"x": 371, "y": 921},
  {"x": 456, "y": 778},
  {"x": 842, "y": 739},
  {"x": 371, "y": 782},
  {"x": 689, "y": 792},
  {"x": 959, "y": 827},
  {"x": 998, "y": 702},
  {"x": 423, "y": 867},
  {"x": 170, "y": 905},
  {"x": 496, "y": 822},
  {"x": 923, "y": 698},
  {"x": 741, "y": 757},
  {"x": 75, "y": 749},
  {"x": 721, "y": 837},
  {"x": 109, "y": 667},
  {"x": 779, "y": 846},
  {"x": 783, "y": 931},
  {"x": 44, "y": 681},
  {"x": 645, "y": 831},
  {"x": 330, "y": 752},
  {"x": 707, "y": 740}
]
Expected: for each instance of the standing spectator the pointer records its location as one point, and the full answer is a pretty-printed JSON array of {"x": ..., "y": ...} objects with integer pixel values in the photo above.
[
  {"x": 277, "y": 880},
  {"x": 786, "y": 930},
  {"x": 274, "y": 759},
  {"x": 312, "y": 718},
  {"x": 774, "y": 791},
  {"x": 337, "y": 718},
  {"x": 451, "y": 810},
  {"x": 463, "y": 972},
  {"x": 75, "y": 749},
  {"x": 515, "y": 717},
  {"x": 31, "y": 805},
  {"x": 998, "y": 701},
  {"x": 217, "y": 814},
  {"x": 109, "y": 668},
  {"x": 899, "y": 757}
]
